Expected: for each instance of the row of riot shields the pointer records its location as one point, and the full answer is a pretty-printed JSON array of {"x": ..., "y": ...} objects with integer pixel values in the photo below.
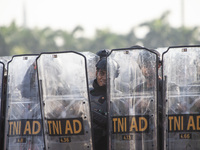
[
  {"x": 153, "y": 101},
  {"x": 47, "y": 101},
  {"x": 152, "y": 106}
]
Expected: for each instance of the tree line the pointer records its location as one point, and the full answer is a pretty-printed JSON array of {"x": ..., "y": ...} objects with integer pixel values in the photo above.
[{"x": 20, "y": 40}]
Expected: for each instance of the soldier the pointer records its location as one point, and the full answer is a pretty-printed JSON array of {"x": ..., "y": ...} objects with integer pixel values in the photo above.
[
  {"x": 147, "y": 63},
  {"x": 99, "y": 106}
]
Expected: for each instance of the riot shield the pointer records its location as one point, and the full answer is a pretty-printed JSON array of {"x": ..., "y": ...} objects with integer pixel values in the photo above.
[
  {"x": 23, "y": 128},
  {"x": 181, "y": 70},
  {"x": 65, "y": 100},
  {"x": 1, "y": 102},
  {"x": 1, "y": 83},
  {"x": 132, "y": 93}
]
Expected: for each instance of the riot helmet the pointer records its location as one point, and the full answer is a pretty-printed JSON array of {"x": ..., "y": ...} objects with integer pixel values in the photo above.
[
  {"x": 101, "y": 64},
  {"x": 145, "y": 59},
  {"x": 103, "y": 53},
  {"x": 146, "y": 62}
]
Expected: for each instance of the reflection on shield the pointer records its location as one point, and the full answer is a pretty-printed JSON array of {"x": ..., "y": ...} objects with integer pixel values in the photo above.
[
  {"x": 23, "y": 128},
  {"x": 132, "y": 75},
  {"x": 181, "y": 72},
  {"x": 65, "y": 102}
]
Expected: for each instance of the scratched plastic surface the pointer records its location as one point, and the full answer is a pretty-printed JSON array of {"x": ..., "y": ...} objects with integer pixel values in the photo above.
[
  {"x": 182, "y": 73},
  {"x": 64, "y": 96},
  {"x": 132, "y": 104}
]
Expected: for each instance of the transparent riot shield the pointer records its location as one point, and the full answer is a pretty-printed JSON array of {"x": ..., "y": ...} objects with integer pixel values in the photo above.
[
  {"x": 181, "y": 70},
  {"x": 1, "y": 102},
  {"x": 65, "y": 101},
  {"x": 1, "y": 84},
  {"x": 23, "y": 125},
  {"x": 132, "y": 91}
]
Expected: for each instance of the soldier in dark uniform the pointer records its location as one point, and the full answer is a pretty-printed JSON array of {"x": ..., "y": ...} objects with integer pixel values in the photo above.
[
  {"x": 99, "y": 106},
  {"x": 146, "y": 62}
]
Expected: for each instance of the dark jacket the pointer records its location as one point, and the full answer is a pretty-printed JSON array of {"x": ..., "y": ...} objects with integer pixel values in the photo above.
[{"x": 99, "y": 115}]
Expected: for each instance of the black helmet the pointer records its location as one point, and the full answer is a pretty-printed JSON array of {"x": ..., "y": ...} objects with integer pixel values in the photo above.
[
  {"x": 103, "y": 53},
  {"x": 101, "y": 64}
]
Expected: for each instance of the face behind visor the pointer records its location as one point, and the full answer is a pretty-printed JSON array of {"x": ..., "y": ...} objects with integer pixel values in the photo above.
[
  {"x": 147, "y": 63},
  {"x": 101, "y": 72}
]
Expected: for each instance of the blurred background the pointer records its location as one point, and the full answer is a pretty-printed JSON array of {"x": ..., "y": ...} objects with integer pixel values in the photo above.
[{"x": 35, "y": 26}]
